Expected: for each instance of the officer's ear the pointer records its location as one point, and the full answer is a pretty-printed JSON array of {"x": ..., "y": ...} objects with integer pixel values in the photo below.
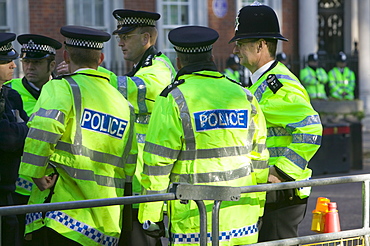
[
  {"x": 101, "y": 59},
  {"x": 146, "y": 38},
  {"x": 178, "y": 63},
  {"x": 66, "y": 57},
  {"x": 52, "y": 65}
]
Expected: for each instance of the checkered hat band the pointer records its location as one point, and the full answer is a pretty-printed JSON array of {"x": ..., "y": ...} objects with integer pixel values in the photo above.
[
  {"x": 135, "y": 21},
  {"x": 6, "y": 47},
  {"x": 84, "y": 43},
  {"x": 193, "y": 49},
  {"x": 38, "y": 48}
]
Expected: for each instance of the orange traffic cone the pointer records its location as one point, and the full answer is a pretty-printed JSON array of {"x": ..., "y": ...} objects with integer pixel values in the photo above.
[
  {"x": 318, "y": 215},
  {"x": 332, "y": 223}
]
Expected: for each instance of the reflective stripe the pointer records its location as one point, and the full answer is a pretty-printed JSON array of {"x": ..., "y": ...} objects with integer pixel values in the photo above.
[
  {"x": 262, "y": 87},
  {"x": 277, "y": 131},
  {"x": 24, "y": 184},
  {"x": 259, "y": 147},
  {"x": 33, "y": 159},
  {"x": 158, "y": 58},
  {"x": 128, "y": 146},
  {"x": 186, "y": 119},
  {"x": 224, "y": 236},
  {"x": 51, "y": 114},
  {"x": 259, "y": 164},
  {"x": 77, "y": 104},
  {"x": 31, "y": 217},
  {"x": 212, "y": 176},
  {"x": 157, "y": 170},
  {"x": 141, "y": 94},
  {"x": 196, "y": 154},
  {"x": 122, "y": 85},
  {"x": 92, "y": 154},
  {"x": 161, "y": 151},
  {"x": 84, "y": 229},
  {"x": 289, "y": 154},
  {"x": 142, "y": 119},
  {"x": 89, "y": 175},
  {"x": 44, "y": 136},
  {"x": 307, "y": 138},
  {"x": 154, "y": 192},
  {"x": 131, "y": 159},
  {"x": 309, "y": 120},
  {"x": 140, "y": 138}
]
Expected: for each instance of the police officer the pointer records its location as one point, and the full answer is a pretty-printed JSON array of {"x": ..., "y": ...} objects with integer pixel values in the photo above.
[
  {"x": 294, "y": 128},
  {"x": 80, "y": 146},
  {"x": 13, "y": 131},
  {"x": 232, "y": 68},
  {"x": 342, "y": 79},
  {"x": 152, "y": 72},
  {"x": 282, "y": 57},
  {"x": 314, "y": 78},
  {"x": 189, "y": 148}
]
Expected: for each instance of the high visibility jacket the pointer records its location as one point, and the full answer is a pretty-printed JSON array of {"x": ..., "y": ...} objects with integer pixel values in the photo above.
[
  {"x": 234, "y": 75},
  {"x": 140, "y": 87},
  {"x": 84, "y": 127},
  {"x": 342, "y": 84},
  {"x": 24, "y": 184},
  {"x": 211, "y": 129},
  {"x": 314, "y": 81},
  {"x": 294, "y": 128}
]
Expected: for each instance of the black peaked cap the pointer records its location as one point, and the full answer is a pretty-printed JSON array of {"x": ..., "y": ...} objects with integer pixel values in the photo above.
[
  {"x": 6, "y": 48},
  {"x": 128, "y": 20},
  {"x": 36, "y": 46}
]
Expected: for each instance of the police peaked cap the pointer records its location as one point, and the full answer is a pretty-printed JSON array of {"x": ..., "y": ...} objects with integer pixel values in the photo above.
[
  {"x": 257, "y": 21},
  {"x": 37, "y": 46},
  {"x": 341, "y": 57},
  {"x": 6, "y": 48},
  {"x": 192, "y": 39},
  {"x": 313, "y": 57},
  {"x": 84, "y": 37},
  {"x": 128, "y": 20}
]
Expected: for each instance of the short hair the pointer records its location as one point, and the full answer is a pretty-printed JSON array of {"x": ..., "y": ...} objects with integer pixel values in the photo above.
[
  {"x": 152, "y": 32},
  {"x": 272, "y": 46},
  {"x": 188, "y": 59},
  {"x": 84, "y": 57}
]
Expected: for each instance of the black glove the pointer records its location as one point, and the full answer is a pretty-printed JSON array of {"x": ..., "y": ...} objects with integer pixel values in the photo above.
[
  {"x": 2, "y": 102},
  {"x": 157, "y": 233}
]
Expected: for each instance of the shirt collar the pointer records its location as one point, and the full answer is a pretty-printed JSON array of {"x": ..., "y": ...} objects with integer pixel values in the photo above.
[{"x": 257, "y": 74}]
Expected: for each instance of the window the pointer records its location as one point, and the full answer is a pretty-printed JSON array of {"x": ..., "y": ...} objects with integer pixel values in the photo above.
[
  {"x": 3, "y": 16},
  {"x": 176, "y": 13}
]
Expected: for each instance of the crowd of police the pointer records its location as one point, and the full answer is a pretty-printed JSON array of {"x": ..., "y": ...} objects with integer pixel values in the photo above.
[{"x": 89, "y": 134}]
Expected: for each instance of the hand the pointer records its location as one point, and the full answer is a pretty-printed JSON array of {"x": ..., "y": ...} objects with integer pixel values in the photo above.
[
  {"x": 62, "y": 68},
  {"x": 45, "y": 182},
  {"x": 274, "y": 177},
  {"x": 157, "y": 233}
]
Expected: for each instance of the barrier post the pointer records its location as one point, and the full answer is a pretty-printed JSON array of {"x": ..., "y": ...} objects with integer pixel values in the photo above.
[
  {"x": 365, "y": 208},
  {"x": 215, "y": 223}
]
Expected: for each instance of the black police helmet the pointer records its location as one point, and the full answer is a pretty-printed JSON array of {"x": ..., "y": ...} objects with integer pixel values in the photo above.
[
  {"x": 6, "y": 49},
  {"x": 257, "y": 21},
  {"x": 341, "y": 57}
]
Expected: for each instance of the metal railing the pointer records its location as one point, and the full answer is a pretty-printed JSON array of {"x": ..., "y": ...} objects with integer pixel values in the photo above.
[{"x": 199, "y": 193}]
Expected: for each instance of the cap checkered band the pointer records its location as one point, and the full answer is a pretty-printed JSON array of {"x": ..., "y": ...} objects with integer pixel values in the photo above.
[
  {"x": 127, "y": 21},
  {"x": 84, "y": 43},
  {"x": 6, "y": 47},
  {"x": 32, "y": 47},
  {"x": 193, "y": 49}
]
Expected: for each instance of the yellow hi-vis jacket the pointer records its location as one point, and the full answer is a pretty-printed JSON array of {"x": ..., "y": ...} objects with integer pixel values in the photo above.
[
  {"x": 140, "y": 87},
  {"x": 84, "y": 127},
  {"x": 342, "y": 83},
  {"x": 205, "y": 130},
  {"x": 294, "y": 128}
]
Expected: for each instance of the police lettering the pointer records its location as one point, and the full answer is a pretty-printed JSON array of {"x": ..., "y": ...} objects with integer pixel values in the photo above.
[
  {"x": 103, "y": 123},
  {"x": 215, "y": 119}
]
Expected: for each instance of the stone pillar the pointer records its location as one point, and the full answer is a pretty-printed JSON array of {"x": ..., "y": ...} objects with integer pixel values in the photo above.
[
  {"x": 364, "y": 59},
  {"x": 308, "y": 27}
]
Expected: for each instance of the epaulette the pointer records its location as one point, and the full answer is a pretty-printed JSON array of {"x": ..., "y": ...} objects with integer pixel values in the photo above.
[
  {"x": 171, "y": 86},
  {"x": 159, "y": 53},
  {"x": 64, "y": 75},
  {"x": 273, "y": 83},
  {"x": 234, "y": 81},
  {"x": 148, "y": 61}
]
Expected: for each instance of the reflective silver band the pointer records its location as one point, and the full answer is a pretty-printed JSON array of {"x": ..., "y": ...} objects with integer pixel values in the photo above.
[
  {"x": 291, "y": 155},
  {"x": 260, "y": 164},
  {"x": 122, "y": 85},
  {"x": 141, "y": 94},
  {"x": 161, "y": 151},
  {"x": 51, "y": 114},
  {"x": 140, "y": 138},
  {"x": 44, "y": 136},
  {"x": 131, "y": 159},
  {"x": 77, "y": 103},
  {"x": 158, "y": 58},
  {"x": 35, "y": 160},
  {"x": 214, "y": 153},
  {"x": 212, "y": 176},
  {"x": 128, "y": 146},
  {"x": 157, "y": 170},
  {"x": 142, "y": 119}
]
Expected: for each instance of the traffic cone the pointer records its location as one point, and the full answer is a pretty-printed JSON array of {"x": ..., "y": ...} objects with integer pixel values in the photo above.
[
  {"x": 318, "y": 215},
  {"x": 332, "y": 223}
]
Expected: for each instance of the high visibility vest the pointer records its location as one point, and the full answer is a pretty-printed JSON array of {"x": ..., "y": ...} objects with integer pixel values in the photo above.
[
  {"x": 234, "y": 75},
  {"x": 205, "y": 130},
  {"x": 294, "y": 128},
  {"x": 342, "y": 84},
  {"x": 314, "y": 82},
  {"x": 84, "y": 127},
  {"x": 155, "y": 73}
]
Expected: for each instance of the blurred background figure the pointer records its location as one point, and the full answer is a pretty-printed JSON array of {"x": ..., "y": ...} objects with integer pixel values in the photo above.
[
  {"x": 283, "y": 58},
  {"x": 342, "y": 79},
  {"x": 314, "y": 78},
  {"x": 232, "y": 69}
]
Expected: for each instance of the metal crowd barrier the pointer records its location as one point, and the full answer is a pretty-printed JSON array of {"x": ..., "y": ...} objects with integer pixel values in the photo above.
[{"x": 199, "y": 193}]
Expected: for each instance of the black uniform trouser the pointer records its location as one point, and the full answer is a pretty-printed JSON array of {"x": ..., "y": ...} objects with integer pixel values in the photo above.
[
  {"x": 48, "y": 237},
  {"x": 9, "y": 223},
  {"x": 136, "y": 236},
  {"x": 283, "y": 213},
  {"x": 21, "y": 200}
]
